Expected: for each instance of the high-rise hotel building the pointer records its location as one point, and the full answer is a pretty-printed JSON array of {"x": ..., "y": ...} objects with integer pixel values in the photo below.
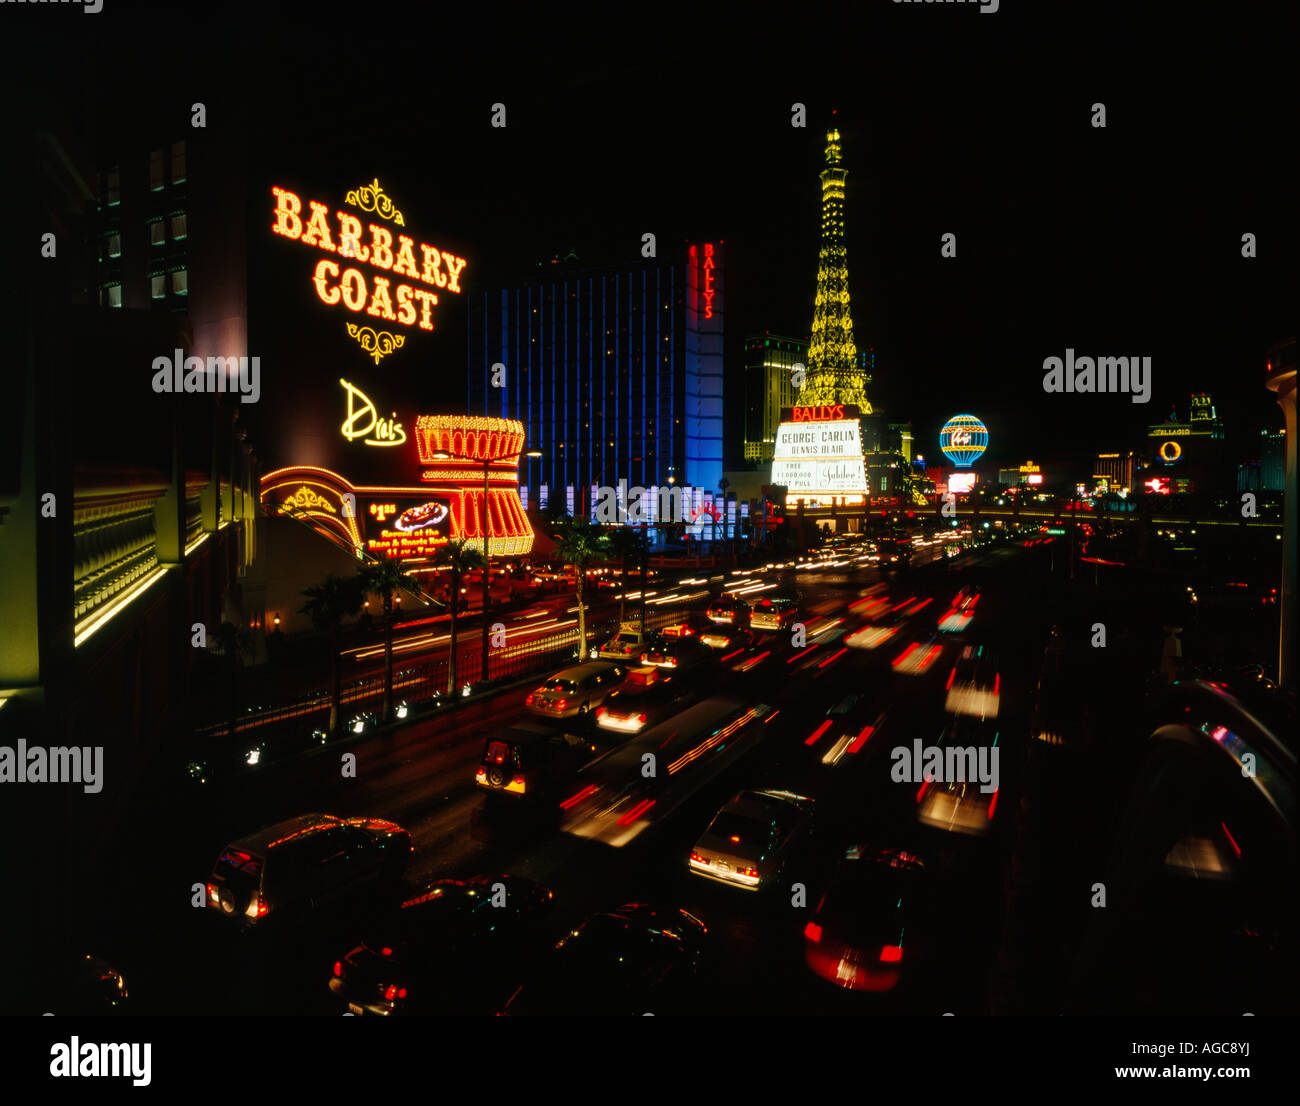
[{"x": 615, "y": 372}]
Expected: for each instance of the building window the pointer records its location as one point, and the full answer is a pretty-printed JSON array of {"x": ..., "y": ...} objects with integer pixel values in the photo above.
[
  {"x": 110, "y": 295},
  {"x": 178, "y": 162},
  {"x": 156, "y": 182},
  {"x": 114, "y": 187},
  {"x": 158, "y": 286},
  {"x": 157, "y": 233},
  {"x": 114, "y": 245},
  {"x": 179, "y": 226},
  {"x": 181, "y": 282}
]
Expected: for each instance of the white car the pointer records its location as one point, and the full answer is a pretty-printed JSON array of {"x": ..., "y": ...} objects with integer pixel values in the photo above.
[
  {"x": 973, "y": 688},
  {"x": 750, "y": 839}
]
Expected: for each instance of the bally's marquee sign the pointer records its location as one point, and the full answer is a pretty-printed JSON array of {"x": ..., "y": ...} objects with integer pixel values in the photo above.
[
  {"x": 370, "y": 269},
  {"x": 819, "y": 453}
]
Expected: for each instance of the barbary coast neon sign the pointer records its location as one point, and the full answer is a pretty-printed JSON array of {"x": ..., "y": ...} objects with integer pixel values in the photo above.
[{"x": 407, "y": 303}]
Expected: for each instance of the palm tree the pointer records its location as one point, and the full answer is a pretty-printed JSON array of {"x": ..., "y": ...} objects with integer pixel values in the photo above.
[
  {"x": 236, "y": 645},
  {"x": 385, "y": 579},
  {"x": 723, "y": 485},
  {"x": 580, "y": 542},
  {"x": 460, "y": 557},
  {"x": 626, "y": 544},
  {"x": 328, "y": 604}
]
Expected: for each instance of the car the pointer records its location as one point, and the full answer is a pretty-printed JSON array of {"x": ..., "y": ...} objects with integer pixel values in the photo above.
[
  {"x": 774, "y": 614},
  {"x": 683, "y": 653},
  {"x": 725, "y": 638},
  {"x": 750, "y": 839},
  {"x": 527, "y": 760},
  {"x": 847, "y": 727},
  {"x": 973, "y": 687},
  {"x": 958, "y": 616},
  {"x": 627, "y": 645},
  {"x": 452, "y": 944},
  {"x": 962, "y": 806},
  {"x": 872, "y": 920},
  {"x": 875, "y": 634},
  {"x": 82, "y": 985},
  {"x": 575, "y": 691},
  {"x": 306, "y": 862},
  {"x": 635, "y": 960},
  {"x": 647, "y": 697},
  {"x": 729, "y": 611}
]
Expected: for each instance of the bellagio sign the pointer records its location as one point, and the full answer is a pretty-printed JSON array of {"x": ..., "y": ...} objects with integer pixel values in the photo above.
[{"x": 382, "y": 274}]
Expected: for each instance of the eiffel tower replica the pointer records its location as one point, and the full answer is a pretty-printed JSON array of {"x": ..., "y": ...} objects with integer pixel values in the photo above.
[{"x": 834, "y": 374}]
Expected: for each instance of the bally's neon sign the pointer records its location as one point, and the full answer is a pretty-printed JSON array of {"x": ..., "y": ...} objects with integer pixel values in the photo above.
[
  {"x": 383, "y": 431},
  {"x": 706, "y": 291},
  {"x": 825, "y": 413},
  {"x": 407, "y": 303}
]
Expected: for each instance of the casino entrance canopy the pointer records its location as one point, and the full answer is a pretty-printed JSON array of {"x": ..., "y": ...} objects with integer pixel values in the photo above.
[{"x": 410, "y": 523}]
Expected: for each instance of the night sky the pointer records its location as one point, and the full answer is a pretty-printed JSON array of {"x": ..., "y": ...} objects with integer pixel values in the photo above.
[{"x": 1123, "y": 241}]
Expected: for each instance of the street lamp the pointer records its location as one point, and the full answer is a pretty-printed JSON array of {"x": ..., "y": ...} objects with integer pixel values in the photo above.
[{"x": 444, "y": 455}]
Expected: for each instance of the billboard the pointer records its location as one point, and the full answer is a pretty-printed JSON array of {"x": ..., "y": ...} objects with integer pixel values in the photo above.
[
  {"x": 815, "y": 458},
  {"x": 403, "y": 527}
]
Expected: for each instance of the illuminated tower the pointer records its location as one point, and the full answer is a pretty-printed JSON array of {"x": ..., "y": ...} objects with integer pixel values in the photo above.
[{"x": 833, "y": 374}]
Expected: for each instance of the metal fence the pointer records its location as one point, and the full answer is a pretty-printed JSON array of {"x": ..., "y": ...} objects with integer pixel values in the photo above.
[{"x": 420, "y": 682}]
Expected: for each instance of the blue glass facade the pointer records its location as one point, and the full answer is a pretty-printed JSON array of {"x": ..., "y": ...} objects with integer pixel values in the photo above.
[{"x": 616, "y": 373}]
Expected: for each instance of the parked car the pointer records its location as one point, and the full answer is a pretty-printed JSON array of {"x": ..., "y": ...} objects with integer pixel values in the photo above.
[
  {"x": 528, "y": 760},
  {"x": 452, "y": 944},
  {"x": 575, "y": 691},
  {"x": 304, "y": 863}
]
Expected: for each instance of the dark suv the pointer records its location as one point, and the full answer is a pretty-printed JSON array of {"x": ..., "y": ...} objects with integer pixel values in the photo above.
[
  {"x": 306, "y": 862},
  {"x": 529, "y": 760}
]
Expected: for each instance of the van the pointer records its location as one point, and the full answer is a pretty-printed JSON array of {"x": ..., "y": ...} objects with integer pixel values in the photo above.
[{"x": 304, "y": 863}]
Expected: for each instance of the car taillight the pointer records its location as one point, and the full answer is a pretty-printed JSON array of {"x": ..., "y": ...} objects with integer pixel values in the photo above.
[
  {"x": 518, "y": 781},
  {"x": 891, "y": 954},
  {"x": 213, "y": 897},
  {"x": 812, "y": 931},
  {"x": 697, "y": 857},
  {"x": 641, "y": 718},
  {"x": 261, "y": 907},
  {"x": 601, "y": 712},
  {"x": 561, "y": 704},
  {"x": 671, "y": 662},
  {"x": 529, "y": 701},
  {"x": 392, "y": 991},
  {"x": 338, "y": 968},
  {"x": 751, "y": 872}
]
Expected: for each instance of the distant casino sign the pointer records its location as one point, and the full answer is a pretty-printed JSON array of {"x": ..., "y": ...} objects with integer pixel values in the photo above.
[{"x": 388, "y": 278}]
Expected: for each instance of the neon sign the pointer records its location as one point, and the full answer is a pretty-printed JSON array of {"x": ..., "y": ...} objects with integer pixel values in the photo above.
[
  {"x": 708, "y": 280},
  {"x": 1170, "y": 451},
  {"x": 407, "y": 302},
  {"x": 386, "y": 432},
  {"x": 825, "y": 413}
]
